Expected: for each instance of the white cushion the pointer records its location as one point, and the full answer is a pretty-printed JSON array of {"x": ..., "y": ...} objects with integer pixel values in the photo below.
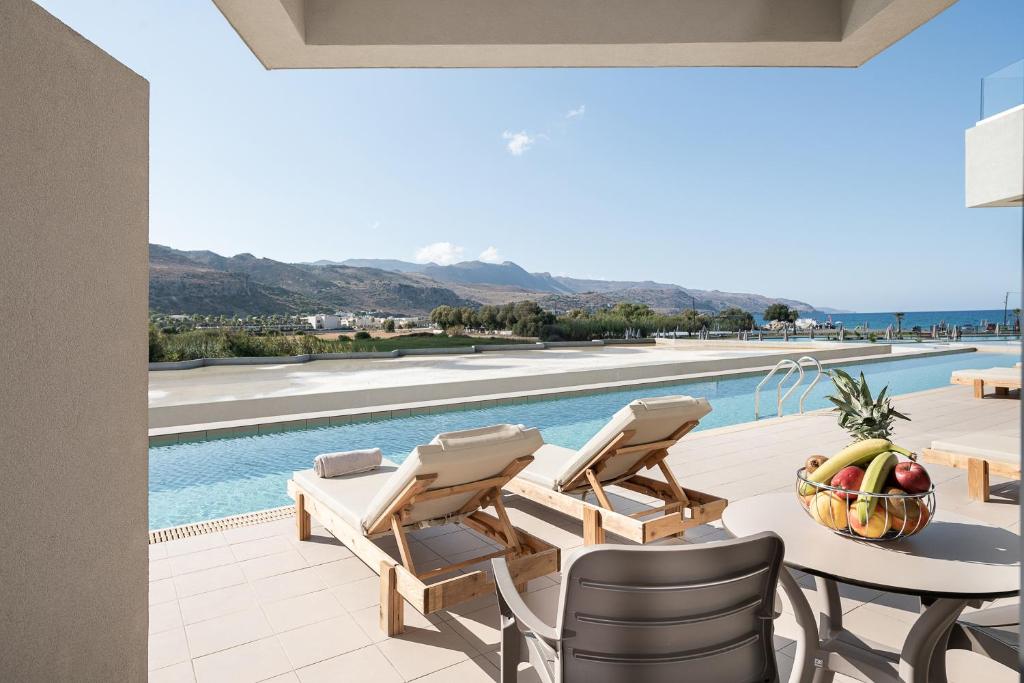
[
  {"x": 989, "y": 374},
  {"x": 1001, "y": 447},
  {"x": 457, "y": 458},
  {"x": 347, "y": 496},
  {"x": 548, "y": 462},
  {"x": 338, "y": 464},
  {"x": 652, "y": 419}
]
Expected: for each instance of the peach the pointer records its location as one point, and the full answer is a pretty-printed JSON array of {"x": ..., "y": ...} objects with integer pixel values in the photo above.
[
  {"x": 907, "y": 515},
  {"x": 829, "y": 510},
  {"x": 877, "y": 526}
]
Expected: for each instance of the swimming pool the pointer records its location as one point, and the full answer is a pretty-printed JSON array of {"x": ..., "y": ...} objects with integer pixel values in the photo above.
[{"x": 191, "y": 482}]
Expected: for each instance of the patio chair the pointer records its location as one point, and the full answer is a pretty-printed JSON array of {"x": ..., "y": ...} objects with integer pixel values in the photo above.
[
  {"x": 636, "y": 438},
  {"x": 451, "y": 480},
  {"x": 1002, "y": 380},
  {"x": 993, "y": 632},
  {"x": 981, "y": 454},
  {"x": 653, "y": 614}
]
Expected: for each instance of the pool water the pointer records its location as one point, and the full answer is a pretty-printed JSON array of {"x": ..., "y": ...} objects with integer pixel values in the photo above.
[{"x": 203, "y": 480}]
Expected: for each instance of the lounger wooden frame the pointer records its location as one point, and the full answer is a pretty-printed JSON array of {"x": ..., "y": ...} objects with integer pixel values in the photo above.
[
  {"x": 528, "y": 556},
  {"x": 682, "y": 507},
  {"x": 978, "y": 469},
  {"x": 1001, "y": 386}
]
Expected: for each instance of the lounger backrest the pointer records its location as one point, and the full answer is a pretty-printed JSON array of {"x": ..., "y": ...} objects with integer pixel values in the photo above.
[
  {"x": 456, "y": 458},
  {"x": 670, "y": 613},
  {"x": 651, "y": 419}
]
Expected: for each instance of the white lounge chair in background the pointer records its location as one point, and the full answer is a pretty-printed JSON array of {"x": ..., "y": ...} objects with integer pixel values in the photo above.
[
  {"x": 981, "y": 454},
  {"x": 636, "y": 438},
  {"x": 655, "y": 614},
  {"x": 450, "y": 480},
  {"x": 1002, "y": 380}
]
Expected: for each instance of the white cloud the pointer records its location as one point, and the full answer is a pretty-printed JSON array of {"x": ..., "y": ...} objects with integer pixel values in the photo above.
[
  {"x": 576, "y": 113},
  {"x": 444, "y": 253},
  {"x": 519, "y": 142},
  {"x": 490, "y": 255}
]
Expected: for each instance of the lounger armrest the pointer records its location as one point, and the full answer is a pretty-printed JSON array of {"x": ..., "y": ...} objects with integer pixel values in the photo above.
[{"x": 509, "y": 597}]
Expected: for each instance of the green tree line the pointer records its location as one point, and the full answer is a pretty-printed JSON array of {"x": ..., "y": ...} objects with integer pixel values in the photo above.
[{"x": 527, "y": 319}]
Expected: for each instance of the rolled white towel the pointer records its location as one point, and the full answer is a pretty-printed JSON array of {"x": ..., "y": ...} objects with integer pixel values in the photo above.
[{"x": 329, "y": 465}]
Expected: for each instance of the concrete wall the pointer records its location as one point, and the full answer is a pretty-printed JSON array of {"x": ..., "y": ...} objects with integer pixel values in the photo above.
[
  {"x": 994, "y": 154},
  {"x": 73, "y": 233}
]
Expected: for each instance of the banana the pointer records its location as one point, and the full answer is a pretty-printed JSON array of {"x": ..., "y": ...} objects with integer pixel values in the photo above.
[
  {"x": 854, "y": 454},
  {"x": 874, "y": 479}
]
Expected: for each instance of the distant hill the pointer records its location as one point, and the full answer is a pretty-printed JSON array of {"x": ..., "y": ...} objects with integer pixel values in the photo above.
[
  {"x": 394, "y": 265},
  {"x": 505, "y": 274},
  {"x": 206, "y": 282}
]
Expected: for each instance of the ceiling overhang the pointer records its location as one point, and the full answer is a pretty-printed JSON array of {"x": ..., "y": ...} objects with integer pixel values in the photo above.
[{"x": 301, "y": 34}]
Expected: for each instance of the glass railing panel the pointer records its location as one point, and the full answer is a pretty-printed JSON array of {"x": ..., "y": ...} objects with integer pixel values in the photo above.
[{"x": 1002, "y": 90}]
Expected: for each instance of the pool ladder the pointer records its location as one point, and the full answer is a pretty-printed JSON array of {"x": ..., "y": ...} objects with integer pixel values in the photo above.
[{"x": 780, "y": 398}]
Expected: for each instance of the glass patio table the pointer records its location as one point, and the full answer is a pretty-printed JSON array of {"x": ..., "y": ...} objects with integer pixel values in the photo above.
[{"x": 954, "y": 562}]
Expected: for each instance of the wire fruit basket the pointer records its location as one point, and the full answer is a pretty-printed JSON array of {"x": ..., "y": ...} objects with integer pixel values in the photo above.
[{"x": 890, "y": 514}]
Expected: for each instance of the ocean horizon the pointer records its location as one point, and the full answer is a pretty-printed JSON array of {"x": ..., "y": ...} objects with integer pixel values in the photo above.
[{"x": 923, "y": 319}]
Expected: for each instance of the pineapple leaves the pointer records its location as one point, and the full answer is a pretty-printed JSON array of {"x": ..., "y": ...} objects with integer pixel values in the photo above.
[{"x": 863, "y": 416}]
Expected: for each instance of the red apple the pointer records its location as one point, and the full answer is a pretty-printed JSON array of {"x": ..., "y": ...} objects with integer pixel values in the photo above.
[
  {"x": 849, "y": 478},
  {"x": 911, "y": 477}
]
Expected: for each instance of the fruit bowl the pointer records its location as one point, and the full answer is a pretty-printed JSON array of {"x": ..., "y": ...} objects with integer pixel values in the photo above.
[{"x": 890, "y": 514}]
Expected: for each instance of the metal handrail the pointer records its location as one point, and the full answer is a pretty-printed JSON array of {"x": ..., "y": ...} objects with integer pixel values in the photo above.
[
  {"x": 817, "y": 378},
  {"x": 785, "y": 362},
  {"x": 779, "y": 396}
]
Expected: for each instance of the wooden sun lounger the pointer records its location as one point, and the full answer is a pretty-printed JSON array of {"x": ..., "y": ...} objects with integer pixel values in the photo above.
[
  {"x": 981, "y": 455},
  {"x": 1001, "y": 380},
  {"x": 528, "y": 556},
  {"x": 681, "y": 508}
]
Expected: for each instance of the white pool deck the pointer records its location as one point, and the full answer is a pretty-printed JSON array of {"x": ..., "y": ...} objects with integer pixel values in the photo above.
[
  {"x": 234, "y": 397},
  {"x": 255, "y": 604}
]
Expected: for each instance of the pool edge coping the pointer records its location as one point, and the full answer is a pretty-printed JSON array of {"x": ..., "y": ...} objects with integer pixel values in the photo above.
[{"x": 167, "y": 436}]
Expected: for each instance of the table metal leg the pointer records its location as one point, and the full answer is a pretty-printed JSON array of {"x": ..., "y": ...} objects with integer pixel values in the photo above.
[
  {"x": 923, "y": 658},
  {"x": 830, "y": 622},
  {"x": 807, "y": 641}
]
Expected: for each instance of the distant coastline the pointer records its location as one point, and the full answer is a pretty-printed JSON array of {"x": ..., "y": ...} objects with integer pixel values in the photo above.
[{"x": 923, "y": 319}]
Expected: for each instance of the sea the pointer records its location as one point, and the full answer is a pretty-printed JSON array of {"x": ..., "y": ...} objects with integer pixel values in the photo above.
[{"x": 923, "y": 319}]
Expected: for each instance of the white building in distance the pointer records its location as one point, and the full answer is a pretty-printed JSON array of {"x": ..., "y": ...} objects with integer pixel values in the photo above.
[{"x": 323, "y": 321}]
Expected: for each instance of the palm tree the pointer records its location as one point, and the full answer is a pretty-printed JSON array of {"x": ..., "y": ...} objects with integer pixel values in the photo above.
[{"x": 899, "y": 324}]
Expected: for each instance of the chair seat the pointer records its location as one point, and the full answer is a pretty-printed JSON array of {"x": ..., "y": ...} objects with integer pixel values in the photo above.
[
  {"x": 348, "y": 496},
  {"x": 963, "y": 666}
]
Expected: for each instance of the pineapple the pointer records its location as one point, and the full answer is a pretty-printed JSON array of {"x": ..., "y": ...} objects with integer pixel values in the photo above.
[{"x": 859, "y": 414}]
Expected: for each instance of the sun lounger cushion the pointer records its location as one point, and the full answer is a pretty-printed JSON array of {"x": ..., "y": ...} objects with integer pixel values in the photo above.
[
  {"x": 457, "y": 458},
  {"x": 1001, "y": 447},
  {"x": 989, "y": 374},
  {"x": 652, "y": 419},
  {"x": 346, "y": 462},
  {"x": 347, "y": 496},
  {"x": 548, "y": 463}
]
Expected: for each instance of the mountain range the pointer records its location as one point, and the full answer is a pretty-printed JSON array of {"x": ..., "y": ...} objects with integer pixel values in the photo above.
[{"x": 207, "y": 283}]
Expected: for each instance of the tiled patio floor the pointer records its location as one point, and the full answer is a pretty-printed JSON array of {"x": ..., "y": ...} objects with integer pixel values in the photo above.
[{"x": 255, "y": 604}]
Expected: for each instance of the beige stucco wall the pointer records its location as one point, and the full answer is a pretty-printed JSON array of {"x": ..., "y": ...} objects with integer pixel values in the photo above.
[
  {"x": 994, "y": 155},
  {"x": 73, "y": 308}
]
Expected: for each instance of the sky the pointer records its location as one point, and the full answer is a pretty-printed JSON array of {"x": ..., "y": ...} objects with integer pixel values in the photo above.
[{"x": 839, "y": 187}]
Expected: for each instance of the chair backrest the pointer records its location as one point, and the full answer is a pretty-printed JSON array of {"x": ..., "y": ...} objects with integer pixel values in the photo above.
[
  {"x": 456, "y": 458},
  {"x": 670, "y": 613},
  {"x": 650, "y": 420}
]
